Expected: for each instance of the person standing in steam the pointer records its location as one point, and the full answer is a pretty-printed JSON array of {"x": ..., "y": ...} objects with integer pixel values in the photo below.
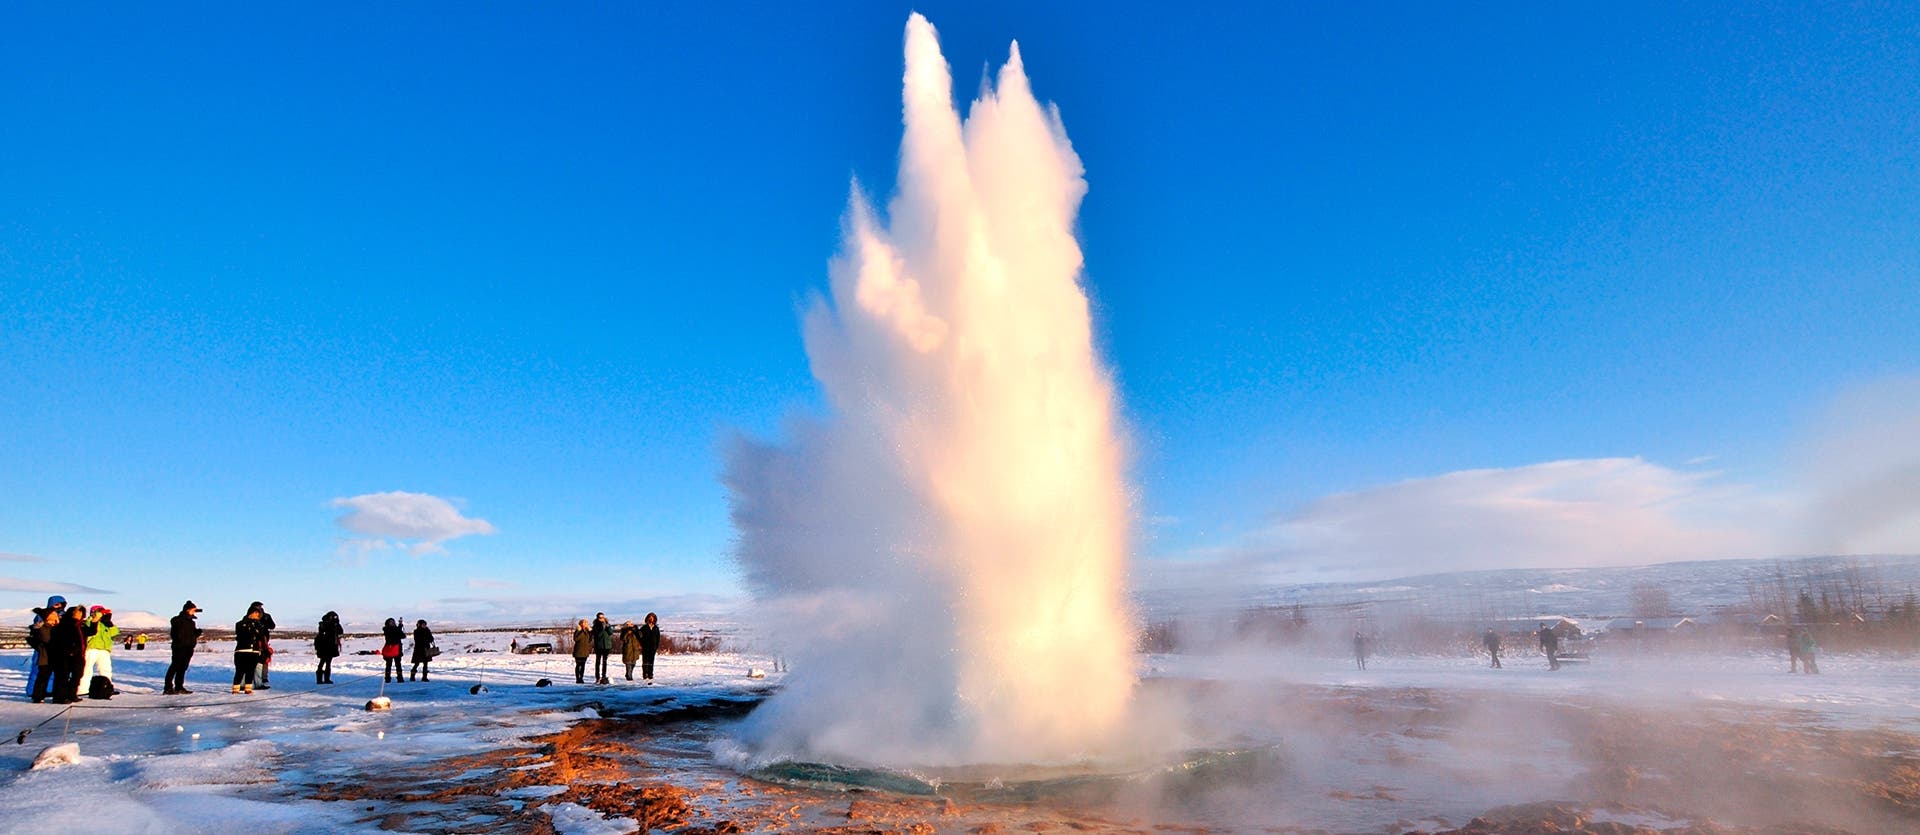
[
  {"x": 1807, "y": 651},
  {"x": 649, "y": 644},
  {"x": 602, "y": 647},
  {"x": 183, "y": 636},
  {"x": 326, "y": 646},
  {"x": 582, "y": 650},
  {"x": 1793, "y": 650},
  {"x": 1550, "y": 644},
  {"x": 1359, "y": 651},
  {"x": 1492, "y": 642}
]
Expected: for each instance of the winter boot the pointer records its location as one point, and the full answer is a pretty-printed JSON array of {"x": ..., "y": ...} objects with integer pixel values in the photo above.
[
  {"x": 236, "y": 689},
  {"x": 247, "y": 689}
]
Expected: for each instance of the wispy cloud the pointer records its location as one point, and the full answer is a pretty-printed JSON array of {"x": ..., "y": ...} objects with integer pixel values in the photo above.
[
  {"x": 490, "y": 583},
  {"x": 18, "y": 584},
  {"x": 418, "y": 522},
  {"x": 1585, "y": 512},
  {"x": 8, "y": 557}
]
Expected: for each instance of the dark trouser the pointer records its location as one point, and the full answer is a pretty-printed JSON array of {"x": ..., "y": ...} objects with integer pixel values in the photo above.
[
  {"x": 629, "y": 670},
  {"x": 66, "y": 678},
  {"x": 580, "y": 669},
  {"x": 1496, "y": 657},
  {"x": 243, "y": 667},
  {"x": 177, "y": 671},
  {"x": 600, "y": 665},
  {"x": 392, "y": 670},
  {"x": 646, "y": 665},
  {"x": 323, "y": 672},
  {"x": 43, "y": 681},
  {"x": 1553, "y": 658},
  {"x": 420, "y": 669}
]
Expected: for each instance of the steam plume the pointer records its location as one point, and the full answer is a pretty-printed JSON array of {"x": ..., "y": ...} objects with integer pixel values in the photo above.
[{"x": 943, "y": 558}]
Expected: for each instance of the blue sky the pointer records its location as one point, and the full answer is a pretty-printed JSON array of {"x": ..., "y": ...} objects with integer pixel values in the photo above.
[{"x": 539, "y": 262}]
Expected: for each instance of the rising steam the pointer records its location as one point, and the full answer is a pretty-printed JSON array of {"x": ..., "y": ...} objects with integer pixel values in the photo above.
[{"x": 942, "y": 560}]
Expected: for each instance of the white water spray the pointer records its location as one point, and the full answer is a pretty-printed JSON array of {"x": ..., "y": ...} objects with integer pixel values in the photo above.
[{"x": 943, "y": 559}]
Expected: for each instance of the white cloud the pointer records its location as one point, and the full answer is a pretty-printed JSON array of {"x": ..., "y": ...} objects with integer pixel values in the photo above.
[
  {"x": 127, "y": 620},
  {"x": 418, "y": 522},
  {"x": 18, "y": 584},
  {"x": 1587, "y": 512},
  {"x": 8, "y": 557},
  {"x": 490, "y": 583}
]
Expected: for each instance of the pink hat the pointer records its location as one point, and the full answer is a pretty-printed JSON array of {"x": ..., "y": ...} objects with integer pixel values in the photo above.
[{"x": 99, "y": 610}]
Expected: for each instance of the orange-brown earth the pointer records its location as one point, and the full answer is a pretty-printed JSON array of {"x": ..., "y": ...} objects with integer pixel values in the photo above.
[{"x": 1635, "y": 769}]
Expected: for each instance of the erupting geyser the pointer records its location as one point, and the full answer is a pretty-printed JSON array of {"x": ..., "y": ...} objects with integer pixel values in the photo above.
[{"x": 942, "y": 559}]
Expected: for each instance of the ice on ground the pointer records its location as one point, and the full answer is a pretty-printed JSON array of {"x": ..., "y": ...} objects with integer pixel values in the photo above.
[
  {"x": 575, "y": 819},
  {"x": 67, "y": 753}
]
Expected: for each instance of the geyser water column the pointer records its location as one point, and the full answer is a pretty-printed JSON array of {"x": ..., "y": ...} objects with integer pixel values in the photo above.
[{"x": 942, "y": 557}]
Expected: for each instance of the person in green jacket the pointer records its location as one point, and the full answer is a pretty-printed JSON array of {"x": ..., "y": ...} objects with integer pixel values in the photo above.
[
  {"x": 1807, "y": 650},
  {"x": 100, "y": 637},
  {"x": 602, "y": 647}
]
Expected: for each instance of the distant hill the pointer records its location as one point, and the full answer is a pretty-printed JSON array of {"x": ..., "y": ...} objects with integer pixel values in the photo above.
[{"x": 1692, "y": 588}]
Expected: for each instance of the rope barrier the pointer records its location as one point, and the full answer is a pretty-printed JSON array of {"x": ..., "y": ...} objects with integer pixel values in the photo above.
[{"x": 479, "y": 665}]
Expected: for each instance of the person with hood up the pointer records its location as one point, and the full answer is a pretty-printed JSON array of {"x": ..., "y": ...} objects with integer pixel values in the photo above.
[
  {"x": 649, "y": 644},
  {"x": 391, "y": 650},
  {"x": 249, "y": 635},
  {"x": 99, "y": 656},
  {"x": 582, "y": 650},
  {"x": 69, "y": 642},
  {"x": 326, "y": 646},
  {"x": 266, "y": 643},
  {"x": 602, "y": 647},
  {"x": 40, "y": 637},
  {"x": 629, "y": 646},
  {"x": 422, "y": 648},
  {"x": 184, "y": 636}
]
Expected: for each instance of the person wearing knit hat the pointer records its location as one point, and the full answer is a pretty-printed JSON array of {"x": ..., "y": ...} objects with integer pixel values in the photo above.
[
  {"x": 184, "y": 635},
  {"x": 99, "y": 657}
]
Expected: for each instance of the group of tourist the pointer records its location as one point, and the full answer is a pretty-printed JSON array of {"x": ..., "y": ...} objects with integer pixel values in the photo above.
[
  {"x": 596, "y": 640},
  {"x": 71, "y": 645}
]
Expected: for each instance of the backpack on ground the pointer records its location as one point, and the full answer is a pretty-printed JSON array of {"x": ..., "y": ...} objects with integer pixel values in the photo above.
[{"x": 100, "y": 687}]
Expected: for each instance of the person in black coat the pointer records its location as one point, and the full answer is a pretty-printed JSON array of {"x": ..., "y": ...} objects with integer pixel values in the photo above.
[
  {"x": 649, "y": 644},
  {"x": 326, "y": 646},
  {"x": 68, "y": 654},
  {"x": 249, "y": 636},
  {"x": 266, "y": 643},
  {"x": 183, "y": 635},
  {"x": 390, "y": 650},
  {"x": 422, "y": 649},
  {"x": 40, "y": 637}
]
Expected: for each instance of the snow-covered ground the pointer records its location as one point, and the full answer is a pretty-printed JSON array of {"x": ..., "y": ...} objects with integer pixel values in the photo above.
[
  {"x": 1294, "y": 741},
  {"x": 214, "y": 761}
]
